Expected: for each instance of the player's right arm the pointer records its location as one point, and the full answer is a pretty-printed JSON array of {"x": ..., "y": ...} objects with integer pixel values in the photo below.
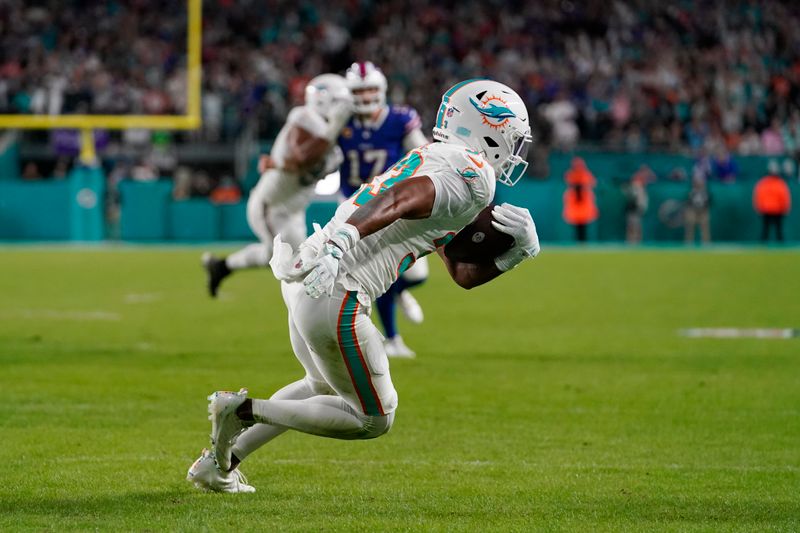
[
  {"x": 304, "y": 149},
  {"x": 309, "y": 137},
  {"x": 412, "y": 198}
]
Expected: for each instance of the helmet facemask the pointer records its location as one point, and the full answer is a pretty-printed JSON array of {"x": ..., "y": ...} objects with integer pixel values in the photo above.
[
  {"x": 368, "y": 100},
  {"x": 514, "y": 166}
]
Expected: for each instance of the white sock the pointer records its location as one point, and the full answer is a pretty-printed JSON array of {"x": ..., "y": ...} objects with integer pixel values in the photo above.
[
  {"x": 257, "y": 436},
  {"x": 251, "y": 256},
  {"x": 325, "y": 416}
]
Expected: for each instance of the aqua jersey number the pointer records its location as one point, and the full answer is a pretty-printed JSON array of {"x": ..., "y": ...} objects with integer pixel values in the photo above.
[{"x": 403, "y": 169}]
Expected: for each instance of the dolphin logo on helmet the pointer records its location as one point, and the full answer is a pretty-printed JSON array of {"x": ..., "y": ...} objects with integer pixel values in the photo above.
[{"x": 491, "y": 110}]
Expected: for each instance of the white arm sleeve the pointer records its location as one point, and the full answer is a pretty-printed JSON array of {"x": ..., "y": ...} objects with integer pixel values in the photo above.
[{"x": 414, "y": 139}]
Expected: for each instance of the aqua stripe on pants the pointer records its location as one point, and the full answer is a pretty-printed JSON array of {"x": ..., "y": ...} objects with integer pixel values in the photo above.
[{"x": 354, "y": 357}]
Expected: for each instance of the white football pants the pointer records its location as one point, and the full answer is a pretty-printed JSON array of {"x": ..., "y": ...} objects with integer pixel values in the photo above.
[
  {"x": 347, "y": 391},
  {"x": 277, "y": 205}
]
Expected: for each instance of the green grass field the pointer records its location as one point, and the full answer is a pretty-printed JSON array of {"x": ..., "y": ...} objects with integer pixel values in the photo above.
[{"x": 557, "y": 398}]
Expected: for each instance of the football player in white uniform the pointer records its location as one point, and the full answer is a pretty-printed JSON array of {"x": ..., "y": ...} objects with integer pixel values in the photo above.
[
  {"x": 329, "y": 284},
  {"x": 304, "y": 152}
]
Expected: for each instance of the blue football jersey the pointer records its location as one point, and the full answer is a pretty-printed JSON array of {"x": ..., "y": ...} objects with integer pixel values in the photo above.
[{"x": 369, "y": 150}]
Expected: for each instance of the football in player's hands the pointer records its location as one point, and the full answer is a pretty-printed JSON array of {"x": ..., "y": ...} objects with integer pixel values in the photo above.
[{"x": 479, "y": 242}]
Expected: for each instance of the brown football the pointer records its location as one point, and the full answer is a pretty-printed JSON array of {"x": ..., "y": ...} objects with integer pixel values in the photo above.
[{"x": 478, "y": 242}]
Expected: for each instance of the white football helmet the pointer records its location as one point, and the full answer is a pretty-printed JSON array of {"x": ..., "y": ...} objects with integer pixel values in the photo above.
[
  {"x": 368, "y": 85},
  {"x": 325, "y": 90},
  {"x": 488, "y": 117}
]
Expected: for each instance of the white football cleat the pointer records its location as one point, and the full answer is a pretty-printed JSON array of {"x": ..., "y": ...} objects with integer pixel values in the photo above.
[
  {"x": 205, "y": 475},
  {"x": 395, "y": 347},
  {"x": 410, "y": 307},
  {"x": 225, "y": 425}
]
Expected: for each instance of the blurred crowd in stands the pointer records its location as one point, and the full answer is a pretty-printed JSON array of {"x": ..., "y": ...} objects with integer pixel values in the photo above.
[
  {"x": 630, "y": 75},
  {"x": 708, "y": 79},
  {"x": 101, "y": 57}
]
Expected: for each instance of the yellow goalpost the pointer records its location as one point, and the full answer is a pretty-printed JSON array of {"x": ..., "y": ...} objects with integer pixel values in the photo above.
[{"x": 87, "y": 123}]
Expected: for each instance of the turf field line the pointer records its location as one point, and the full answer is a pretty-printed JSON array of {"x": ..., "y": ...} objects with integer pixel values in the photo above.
[
  {"x": 55, "y": 314},
  {"x": 739, "y": 333},
  {"x": 142, "y": 298}
]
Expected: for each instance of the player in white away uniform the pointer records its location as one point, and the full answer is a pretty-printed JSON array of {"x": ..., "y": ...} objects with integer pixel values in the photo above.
[
  {"x": 408, "y": 212},
  {"x": 304, "y": 152}
]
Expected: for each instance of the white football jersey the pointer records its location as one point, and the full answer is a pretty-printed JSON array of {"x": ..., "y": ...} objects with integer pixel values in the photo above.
[
  {"x": 464, "y": 183},
  {"x": 289, "y": 188}
]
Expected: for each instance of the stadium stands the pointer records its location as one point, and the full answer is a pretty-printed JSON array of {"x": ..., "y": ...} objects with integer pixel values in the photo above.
[
  {"x": 689, "y": 83},
  {"x": 632, "y": 75}
]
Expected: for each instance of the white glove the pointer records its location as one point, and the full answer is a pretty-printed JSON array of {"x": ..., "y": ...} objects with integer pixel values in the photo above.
[
  {"x": 518, "y": 223},
  {"x": 326, "y": 267}
]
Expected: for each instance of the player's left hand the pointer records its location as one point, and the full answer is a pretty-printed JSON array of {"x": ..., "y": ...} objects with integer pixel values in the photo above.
[
  {"x": 517, "y": 222},
  {"x": 322, "y": 278}
]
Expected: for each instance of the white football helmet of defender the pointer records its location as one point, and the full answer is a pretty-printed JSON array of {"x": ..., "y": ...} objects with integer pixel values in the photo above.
[
  {"x": 368, "y": 85},
  {"x": 488, "y": 117},
  {"x": 326, "y": 92}
]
